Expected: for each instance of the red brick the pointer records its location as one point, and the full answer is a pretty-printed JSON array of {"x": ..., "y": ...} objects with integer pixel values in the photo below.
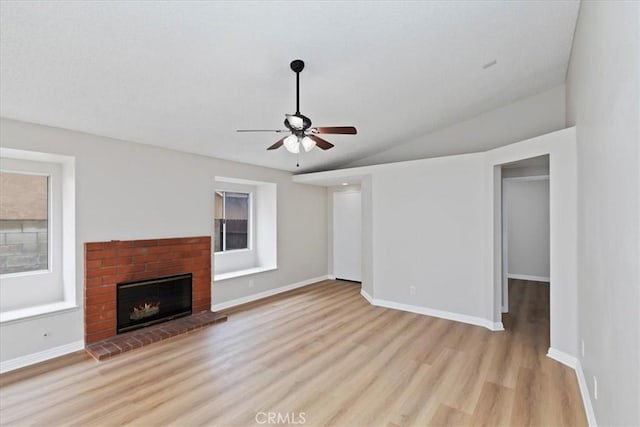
[
  {"x": 100, "y": 290},
  {"x": 130, "y": 259},
  {"x": 202, "y": 284},
  {"x": 195, "y": 240},
  {"x": 171, "y": 271},
  {"x": 112, "y": 262},
  {"x": 145, "y": 243},
  {"x": 170, "y": 255},
  {"x": 141, "y": 259},
  {"x": 128, "y": 269},
  {"x": 144, "y": 275},
  {"x": 94, "y": 246},
  {"x": 172, "y": 241},
  {"x": 158, "y": 249},
  {"x": 104, "y": 325},
  {"x": 100, "y": 307},
  {"x": 120, "y": 244},
  {"x": 96, "y": 263},
  {"x": 162, "y": 265},
  {"x": 93, "y": 255},
  {"x": 97, "y": 336},
  {"x": 200, "y": 246},
  {"x": 201, "y": 264},
  {"x": 94, "y": 281},
  {"x": 100, "y": 316},
  {"x": 99, "y": 299},
  {"x": 117, "y": 278},
  {"x": 132, "y": 251},
  {"x": 200, "y": 272},
  {"x": 100, "y": 272}
]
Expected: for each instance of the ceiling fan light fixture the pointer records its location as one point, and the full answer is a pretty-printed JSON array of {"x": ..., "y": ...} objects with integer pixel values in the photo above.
[
  {"x": 302, "y": 134},
  {"x": 295, "y": 122},
  {"x": 291, "y": 144},
  {"x": 307, "y": 144}
]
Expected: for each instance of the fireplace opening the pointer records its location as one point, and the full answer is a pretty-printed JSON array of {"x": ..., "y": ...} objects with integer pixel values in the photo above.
[{"x": 146, "y": 302}]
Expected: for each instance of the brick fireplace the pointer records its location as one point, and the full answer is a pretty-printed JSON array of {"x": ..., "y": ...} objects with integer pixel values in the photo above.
[{"x": 109, "y": 263}]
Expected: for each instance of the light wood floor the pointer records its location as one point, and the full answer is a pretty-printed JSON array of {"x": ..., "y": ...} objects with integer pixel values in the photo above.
[{"x": 320, "y": 354}]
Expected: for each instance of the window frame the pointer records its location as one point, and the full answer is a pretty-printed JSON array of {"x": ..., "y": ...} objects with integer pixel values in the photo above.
[
  {"x": 263, "y": 255},
  {"x": 224, "y": 223},
  {"x": 29, "y": 293}
]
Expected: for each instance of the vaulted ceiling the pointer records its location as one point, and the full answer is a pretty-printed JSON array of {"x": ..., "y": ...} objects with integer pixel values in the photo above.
[{"x": 186, "y": 75}]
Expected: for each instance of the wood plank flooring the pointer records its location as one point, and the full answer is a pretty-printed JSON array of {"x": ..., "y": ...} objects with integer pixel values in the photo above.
[{"x": 319, "y": 355}]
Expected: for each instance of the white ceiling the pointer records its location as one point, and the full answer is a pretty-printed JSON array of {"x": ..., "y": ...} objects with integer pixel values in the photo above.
[{"x": 185, "y": 75}]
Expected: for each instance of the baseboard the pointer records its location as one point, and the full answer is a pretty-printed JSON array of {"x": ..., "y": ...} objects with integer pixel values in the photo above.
[
  {"x": 528, "y": 277},
  {"x": 586, "y": 397},
  {"x": 497, "y": 326},
  {"x": 265, "y": 294},
  {"x": 366, "y": 296},
  {"x": 41, "y": 356},
  {"x": 457, "y": 317},
  {"x": 331, "y": 277},
  {"x": 562, "y": 357},
  {"x": 574, "y": 363}
]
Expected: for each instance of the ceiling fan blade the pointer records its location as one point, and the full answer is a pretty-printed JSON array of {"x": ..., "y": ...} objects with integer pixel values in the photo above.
[
  {"x": 262, "y": 130},
  {"x": 344, "y": 130},
  {"x": 321, "y": 143},
  {"x": 278, "y": 144}
]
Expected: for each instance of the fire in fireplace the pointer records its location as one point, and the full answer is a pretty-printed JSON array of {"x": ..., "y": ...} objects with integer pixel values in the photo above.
[{"x": 146, "y": 302}]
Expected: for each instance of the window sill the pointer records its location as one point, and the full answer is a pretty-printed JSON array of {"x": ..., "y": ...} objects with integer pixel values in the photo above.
[
  {"x": 240, "y": 273},
  {"x": 231, "y": 251},
  {"x": 37, "y": 311}
]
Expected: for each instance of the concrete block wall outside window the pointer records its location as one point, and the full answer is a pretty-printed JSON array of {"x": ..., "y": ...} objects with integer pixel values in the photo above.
[{"x": 23, "y": 245}]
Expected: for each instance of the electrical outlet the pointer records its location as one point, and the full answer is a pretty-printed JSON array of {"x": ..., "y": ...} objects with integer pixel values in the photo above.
[
  {"x": 582, "y": 348},
  {"x": 412, "y": 290},
  {"x": 595, "y": 388},
  {"x": 251, "y": 283}
]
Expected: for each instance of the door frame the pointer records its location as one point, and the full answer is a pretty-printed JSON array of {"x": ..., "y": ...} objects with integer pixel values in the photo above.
[{"x": 505, "y": 232}]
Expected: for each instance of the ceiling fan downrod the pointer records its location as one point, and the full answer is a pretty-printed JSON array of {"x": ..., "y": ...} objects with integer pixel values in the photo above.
[{"x": 297, "y": 65}]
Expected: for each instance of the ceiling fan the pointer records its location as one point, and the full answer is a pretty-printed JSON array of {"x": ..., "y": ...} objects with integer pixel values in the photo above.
[{"x": 302, "y": 134}]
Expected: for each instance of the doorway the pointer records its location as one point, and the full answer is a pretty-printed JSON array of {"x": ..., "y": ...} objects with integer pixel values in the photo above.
[
  {"x": 526, "y": 246},
  {"x": 347, "y": 235}
]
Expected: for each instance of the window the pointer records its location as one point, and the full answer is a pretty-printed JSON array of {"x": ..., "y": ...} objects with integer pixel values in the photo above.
[
  {"x": 37, "y": 261},
  {"x": 231, "y": 221},
  {"x": 24, "y": 224},
  {"x": 246, "y": 227}
]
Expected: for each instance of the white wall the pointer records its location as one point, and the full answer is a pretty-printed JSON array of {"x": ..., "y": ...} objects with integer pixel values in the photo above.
[
  {"x": 428, "y": 233},
  {"x": 561, "y": 148},
  {"x": 450, "y": 247},
  {"x": 520, "y": 120},
  {"x": 527, "y": 219},
  {"x": 133, "y": 191},
  {"x": 603, "y": 103},
  {"x": 367, "y": 234}
]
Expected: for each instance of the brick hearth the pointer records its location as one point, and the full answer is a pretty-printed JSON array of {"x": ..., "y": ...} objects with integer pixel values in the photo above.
[
  {"x": 109, "y": 263},
  {"x": 140, "y": 337}
]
